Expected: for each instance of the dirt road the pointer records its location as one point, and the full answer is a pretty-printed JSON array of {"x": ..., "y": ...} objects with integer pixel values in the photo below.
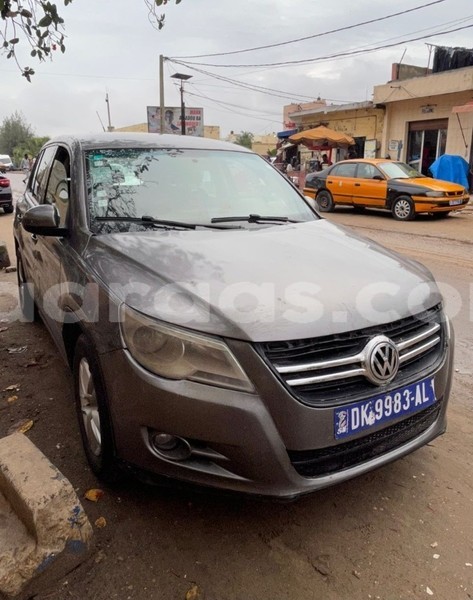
[{"x": 402, "y": 532}]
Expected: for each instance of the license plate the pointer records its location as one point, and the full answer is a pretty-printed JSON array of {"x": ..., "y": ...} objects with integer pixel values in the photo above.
[
  {"x": 455, "y": 202},
  {"x": 384, "y": 408}
]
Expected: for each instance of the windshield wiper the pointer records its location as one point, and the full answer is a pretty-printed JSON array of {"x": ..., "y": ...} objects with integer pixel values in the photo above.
[
  {"x": 254, "y": 219},
  {"x": 147, "y": 219}
]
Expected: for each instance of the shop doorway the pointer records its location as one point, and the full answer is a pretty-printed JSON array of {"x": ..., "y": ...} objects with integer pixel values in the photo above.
[{"x": 426, "y": 142}]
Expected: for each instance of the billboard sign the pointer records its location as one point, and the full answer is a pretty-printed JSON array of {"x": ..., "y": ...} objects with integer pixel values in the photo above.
[{"x": 194, "y": 120}]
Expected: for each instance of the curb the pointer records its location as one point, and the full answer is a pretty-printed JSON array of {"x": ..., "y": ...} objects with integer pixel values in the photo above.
[{"x": 44, "y": 531}]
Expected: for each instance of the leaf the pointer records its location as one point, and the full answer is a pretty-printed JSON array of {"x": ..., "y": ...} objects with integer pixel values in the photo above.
[
  {"x": 24, "y": 426},
  {"x": 45, "y": 21},
  {"x": 94, "y": 494},
  {"x": 14, "y": 40},
  {"x": 101, "y": 522}
]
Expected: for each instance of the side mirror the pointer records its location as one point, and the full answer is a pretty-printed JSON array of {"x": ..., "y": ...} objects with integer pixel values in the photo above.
[{"x": 43, "y": 220}]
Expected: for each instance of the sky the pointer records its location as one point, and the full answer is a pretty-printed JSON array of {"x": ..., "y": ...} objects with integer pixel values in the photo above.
[{"x": 114, "y": 49}]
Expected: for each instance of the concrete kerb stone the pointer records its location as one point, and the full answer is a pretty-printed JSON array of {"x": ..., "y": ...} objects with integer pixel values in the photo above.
[{"x": 44, "y": 531}]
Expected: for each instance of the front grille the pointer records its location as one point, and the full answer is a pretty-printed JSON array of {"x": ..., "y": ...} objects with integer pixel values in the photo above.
[
  {"x": 313, "y": 463},
  {"x": 330, "y": 370}
]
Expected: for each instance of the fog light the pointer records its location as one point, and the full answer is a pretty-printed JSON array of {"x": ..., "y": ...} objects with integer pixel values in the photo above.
[{"x": 170, "y": 446}]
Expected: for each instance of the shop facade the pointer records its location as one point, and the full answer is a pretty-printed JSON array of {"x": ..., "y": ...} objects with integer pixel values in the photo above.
[{"x": 427, "y": 116}]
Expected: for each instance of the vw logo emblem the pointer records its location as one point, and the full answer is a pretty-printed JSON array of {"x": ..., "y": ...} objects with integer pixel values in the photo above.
[{"x": 381, "y": 360}]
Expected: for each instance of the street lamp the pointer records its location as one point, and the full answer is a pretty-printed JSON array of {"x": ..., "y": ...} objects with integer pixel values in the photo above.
[{"x": 183, "y": 78}]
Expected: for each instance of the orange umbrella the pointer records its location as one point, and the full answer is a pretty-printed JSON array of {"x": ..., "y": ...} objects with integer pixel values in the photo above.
[{"x": 322, "y": 136}]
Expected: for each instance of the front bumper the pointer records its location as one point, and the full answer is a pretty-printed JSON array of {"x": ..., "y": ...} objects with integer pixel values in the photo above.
[
  {"x": 243, "y": 442},
  {"x": 424, "y": 204}
]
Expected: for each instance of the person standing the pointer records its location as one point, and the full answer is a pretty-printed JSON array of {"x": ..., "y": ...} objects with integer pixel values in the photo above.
[{"x": 25, "y": 166}]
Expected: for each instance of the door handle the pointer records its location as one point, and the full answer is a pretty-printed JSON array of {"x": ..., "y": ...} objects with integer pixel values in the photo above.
[
  {"x": 357, "y": 184},
  {"x": 329, "y": 181}
]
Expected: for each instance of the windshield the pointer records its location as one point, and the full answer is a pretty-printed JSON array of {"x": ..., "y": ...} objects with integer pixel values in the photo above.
[
  {"x": 399, "y": 170},
  {"x": 189, "y": 186}
]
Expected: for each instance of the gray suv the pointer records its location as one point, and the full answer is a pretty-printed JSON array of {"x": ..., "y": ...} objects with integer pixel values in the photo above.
[{"x": 218, "y": 330}]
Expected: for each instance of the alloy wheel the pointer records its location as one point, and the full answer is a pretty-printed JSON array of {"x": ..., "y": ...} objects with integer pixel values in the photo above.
[{"x": 89, "y": 407}]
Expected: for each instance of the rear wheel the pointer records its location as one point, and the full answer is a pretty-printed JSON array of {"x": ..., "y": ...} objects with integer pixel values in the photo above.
[
  {"x": 325, "y": 201},
  {"x": 402, "y": 209},
  {"x": 92, "y": 411},
  {"x": 8, "y": 208},
  {"x": 25, "y": 292}
]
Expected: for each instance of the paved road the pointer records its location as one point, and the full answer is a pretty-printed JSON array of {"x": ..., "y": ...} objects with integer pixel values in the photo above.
[{"x": 402, "y": 532}]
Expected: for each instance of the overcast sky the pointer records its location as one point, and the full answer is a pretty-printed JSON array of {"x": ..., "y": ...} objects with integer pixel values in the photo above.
[{"x": 112, "y": 48}]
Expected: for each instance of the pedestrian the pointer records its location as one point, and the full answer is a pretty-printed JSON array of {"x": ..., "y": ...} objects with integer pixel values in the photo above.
[{"x": 25, "y": 166}]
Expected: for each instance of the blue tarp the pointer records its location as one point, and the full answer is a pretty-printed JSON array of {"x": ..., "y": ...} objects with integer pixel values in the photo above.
[
  {"x": 451, "y": 167},
  {"x": 282, "y": 135}
]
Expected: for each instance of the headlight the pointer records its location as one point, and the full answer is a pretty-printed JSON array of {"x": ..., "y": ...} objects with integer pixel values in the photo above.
[
  {"x": 435, "y": 194},
  {"x": 180, "y": 354}
]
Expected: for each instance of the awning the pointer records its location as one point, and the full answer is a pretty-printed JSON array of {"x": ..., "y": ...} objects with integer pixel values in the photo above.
[
  {"x": 322, "y": 136},
  {"x": 282, "y": 135},
  {"x": 463, "y": 108},
  {"x": 285, "y": 146}
]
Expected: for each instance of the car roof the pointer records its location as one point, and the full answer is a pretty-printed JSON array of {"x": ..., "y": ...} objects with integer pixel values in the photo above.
[
  {"x": 371, "y": 161},
  {"x": 145, "y": 140}
]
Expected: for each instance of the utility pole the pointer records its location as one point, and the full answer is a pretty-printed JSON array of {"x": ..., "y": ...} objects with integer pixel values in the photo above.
[
  {"x": 182, "y": 78},
  {"x": 110, "y": 127},
  {"x": 161, "y": 93}
]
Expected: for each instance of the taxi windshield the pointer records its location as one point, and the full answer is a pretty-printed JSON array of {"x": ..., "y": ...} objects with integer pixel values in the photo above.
[{"x": 399, "y": 170}]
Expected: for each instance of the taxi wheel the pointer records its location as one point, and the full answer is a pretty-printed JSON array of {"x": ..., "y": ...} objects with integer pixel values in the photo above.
[
  {"x": 92, "y": 411},
  {"x": 402, "y": 209},
  {"x": 325, "y": 201}
]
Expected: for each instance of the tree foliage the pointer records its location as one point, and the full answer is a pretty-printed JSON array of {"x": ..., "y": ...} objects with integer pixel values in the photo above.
[
  {"x": 38, "y": 23},
  {"x": 244, "y": 138},
  {"x": 14, "y": 131},
  {"x": 31, "y": 146}
]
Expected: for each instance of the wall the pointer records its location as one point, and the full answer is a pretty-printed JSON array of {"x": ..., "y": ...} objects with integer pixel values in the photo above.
[
  {"x": 399, "y": 114},
  {"x": 262, "y": 143}
]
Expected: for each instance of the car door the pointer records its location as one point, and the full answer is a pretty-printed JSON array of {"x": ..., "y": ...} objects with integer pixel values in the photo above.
[
  {"x": 370, "y": 186},
  {"x": 45, "y": 254},
  {"x": 31, "y": 258},
  {"x": 340, "y": 182}
]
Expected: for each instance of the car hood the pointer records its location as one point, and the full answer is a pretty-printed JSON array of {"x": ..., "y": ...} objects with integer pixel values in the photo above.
[
  {"x": 270, "y": 283},
  {"x": 437, "y": 185}
]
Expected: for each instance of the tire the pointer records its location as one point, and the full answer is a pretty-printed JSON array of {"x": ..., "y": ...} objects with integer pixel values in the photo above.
[
  {"x": 25, "y": 293},
  {"x": 325, "y": 201},
  {"x": 403, "y": 209},
  {"x": 92, "y": 411},
  {"x": 8, "y": 209},
  {"x": 440, "y": 215}
]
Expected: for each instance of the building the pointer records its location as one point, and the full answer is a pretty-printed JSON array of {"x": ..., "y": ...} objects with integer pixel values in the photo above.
[
  {"x": 361, "y": 120},
  {"x": 262, "y": 144},
  {"x": 428, "y": 113},
  {"x": 210, "y": 131}
]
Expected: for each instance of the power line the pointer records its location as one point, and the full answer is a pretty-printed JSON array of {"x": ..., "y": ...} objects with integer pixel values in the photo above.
[
  {"x": 326, "y": 57},
  {"x": 316, "y": 35}
]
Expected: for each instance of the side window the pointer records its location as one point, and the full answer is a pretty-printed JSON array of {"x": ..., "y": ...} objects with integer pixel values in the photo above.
[
  {"x": 344, "y": 170},
  {"x": 58, "y": 190},
  {"x": 367, "y": 171},
  {"x": 40, "y": 178}
]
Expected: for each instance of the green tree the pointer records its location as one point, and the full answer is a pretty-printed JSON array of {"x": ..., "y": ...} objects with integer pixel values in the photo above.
[
  {"x": 32, "y": 146},
  {"x": 14, "y": 131},
  {"x": 38, "y": 23},
  {"x": 245, "y": 138}
]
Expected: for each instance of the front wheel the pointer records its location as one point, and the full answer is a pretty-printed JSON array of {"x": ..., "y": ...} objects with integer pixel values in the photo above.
[
  {"x": 325, "y": 201},
  {"x": 402, "y": 209},
  {"x": 92, "y": 410}
]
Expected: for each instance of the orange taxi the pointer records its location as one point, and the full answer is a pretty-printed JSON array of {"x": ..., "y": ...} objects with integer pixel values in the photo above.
[{"x": 385, "y": 184}]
